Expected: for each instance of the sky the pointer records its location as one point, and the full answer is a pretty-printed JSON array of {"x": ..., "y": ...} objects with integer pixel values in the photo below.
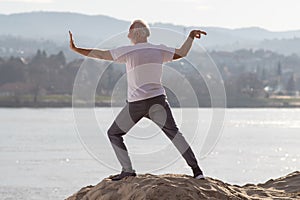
[{"x": 273, "y": 15}]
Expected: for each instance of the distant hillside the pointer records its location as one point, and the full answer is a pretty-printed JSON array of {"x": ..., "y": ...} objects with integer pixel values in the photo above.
[
  {"x": 55, "y": 25},
  {"x": 92, "y": 29}
]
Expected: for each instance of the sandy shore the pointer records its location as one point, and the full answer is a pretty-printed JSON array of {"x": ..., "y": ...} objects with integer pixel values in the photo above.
[{"x": 184, "y": 187}]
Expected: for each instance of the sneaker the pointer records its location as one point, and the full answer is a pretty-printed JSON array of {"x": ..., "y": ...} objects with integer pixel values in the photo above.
[
  {"x": 122, "y": 175},
  {"x": 198, "y": 174}
]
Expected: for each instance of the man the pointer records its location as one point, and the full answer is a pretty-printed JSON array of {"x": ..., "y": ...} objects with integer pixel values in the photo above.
[{"x": 146, "y": 96}]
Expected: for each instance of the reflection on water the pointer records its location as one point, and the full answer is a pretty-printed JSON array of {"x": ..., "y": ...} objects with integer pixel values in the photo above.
[{"x": 41, "y": 156}]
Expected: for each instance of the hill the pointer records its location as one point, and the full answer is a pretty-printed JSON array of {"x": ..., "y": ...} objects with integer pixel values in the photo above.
[
  {"x": 92, "y": 29},
  {"x": 179, "y": 187}
]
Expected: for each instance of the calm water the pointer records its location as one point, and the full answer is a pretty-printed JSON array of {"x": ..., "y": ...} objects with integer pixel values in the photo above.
[{"x": 42, "y": 156}]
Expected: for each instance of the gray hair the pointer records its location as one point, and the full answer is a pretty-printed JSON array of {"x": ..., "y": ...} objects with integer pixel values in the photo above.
[{"x": 141, "y": 27}]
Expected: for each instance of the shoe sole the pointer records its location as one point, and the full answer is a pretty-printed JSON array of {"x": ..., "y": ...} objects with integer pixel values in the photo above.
[{"x": 200, "y": 177}]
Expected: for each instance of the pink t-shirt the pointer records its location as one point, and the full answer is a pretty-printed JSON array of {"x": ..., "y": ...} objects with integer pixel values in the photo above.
[{"x": 144, "y": 68}]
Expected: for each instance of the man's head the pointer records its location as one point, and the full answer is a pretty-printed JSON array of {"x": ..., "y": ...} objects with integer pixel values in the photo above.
[{"x": 138, "y": 31}]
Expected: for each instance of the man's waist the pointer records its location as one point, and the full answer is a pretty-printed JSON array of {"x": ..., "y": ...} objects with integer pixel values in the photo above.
[{"x": 143, "y": 95}]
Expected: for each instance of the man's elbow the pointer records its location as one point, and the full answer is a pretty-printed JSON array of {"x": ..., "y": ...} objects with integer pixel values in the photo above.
[
  {"x": 176, "y": 56},
  {"x": 184, "y": 54},
  {"x": 179, "y": 54},
  {"x": 100, "y": 54}
]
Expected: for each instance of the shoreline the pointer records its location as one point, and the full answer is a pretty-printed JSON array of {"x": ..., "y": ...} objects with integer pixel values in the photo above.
[
  {"x": 67, "y": 101},
  {"x": 108, "y": 105}
]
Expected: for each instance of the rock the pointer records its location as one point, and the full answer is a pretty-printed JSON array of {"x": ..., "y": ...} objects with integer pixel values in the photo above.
[{"x": 184, "y": 187}]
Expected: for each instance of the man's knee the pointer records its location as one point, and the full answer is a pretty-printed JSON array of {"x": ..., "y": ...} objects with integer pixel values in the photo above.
[
  {"x": 111, "y": 133},
  {"x": 172, "y": 133},
  {"x": 114, "y": 132}
]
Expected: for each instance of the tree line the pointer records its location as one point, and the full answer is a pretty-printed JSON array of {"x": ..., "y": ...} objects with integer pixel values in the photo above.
[{"x": 248, "y": 75}]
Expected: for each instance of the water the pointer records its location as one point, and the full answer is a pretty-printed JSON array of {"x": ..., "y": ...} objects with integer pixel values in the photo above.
[{"x": 42, "y": 157}]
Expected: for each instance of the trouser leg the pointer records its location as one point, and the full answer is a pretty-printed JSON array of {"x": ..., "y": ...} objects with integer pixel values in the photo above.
[
  {"x": 161, "y": 114},
  {"x": 125, "y": 120}
]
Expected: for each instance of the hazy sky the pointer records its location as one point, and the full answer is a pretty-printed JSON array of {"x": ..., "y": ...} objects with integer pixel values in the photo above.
[{"x": 273, "y": 15}]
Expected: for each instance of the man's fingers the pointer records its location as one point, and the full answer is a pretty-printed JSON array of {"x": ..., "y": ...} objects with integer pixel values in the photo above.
[
  {"x": 71, "y": 36},
  {"x": 197, "y": 33},
  {"x": 203, "y": 32},
  {"x": 72, "y": 45}
]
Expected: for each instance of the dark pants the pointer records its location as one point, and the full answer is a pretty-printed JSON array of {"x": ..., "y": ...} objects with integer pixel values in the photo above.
[{"x": 158, "y": 110}]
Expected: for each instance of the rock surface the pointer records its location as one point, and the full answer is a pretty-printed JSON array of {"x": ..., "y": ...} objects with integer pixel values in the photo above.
[{"x": 184, "y": 187}]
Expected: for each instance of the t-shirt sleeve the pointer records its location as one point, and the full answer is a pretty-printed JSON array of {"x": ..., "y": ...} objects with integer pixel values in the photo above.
[
  {"x": 168, "y": 53},
  {"x": 119, "y": 54}
]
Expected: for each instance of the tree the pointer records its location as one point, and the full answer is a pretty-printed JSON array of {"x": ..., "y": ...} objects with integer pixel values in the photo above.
[
  {"x": 12, "y": 71},
  {"x": 291, "y": 84},
  {"x": 279, "y": 70},
  {"x": 37, "y": 73}
]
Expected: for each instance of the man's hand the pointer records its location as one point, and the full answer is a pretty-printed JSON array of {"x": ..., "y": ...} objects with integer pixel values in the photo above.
[
  {"x": 196, "y": 34},
  {"x": 93, "y": 53},
  {"x": 185, "y": 48},
  {"x": 72, "y": 45}
]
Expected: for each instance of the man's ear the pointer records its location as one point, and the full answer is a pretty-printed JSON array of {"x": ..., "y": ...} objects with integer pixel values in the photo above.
[{"x": 136, "y": 34}]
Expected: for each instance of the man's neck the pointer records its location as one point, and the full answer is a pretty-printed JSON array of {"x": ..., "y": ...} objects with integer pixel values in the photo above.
[{"x": 141, "y": 41}]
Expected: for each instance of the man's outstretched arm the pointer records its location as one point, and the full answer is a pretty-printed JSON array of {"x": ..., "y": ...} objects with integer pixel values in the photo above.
[
  {"x": 93, "y": 53},
  {"x": 185, "y": 48}
]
